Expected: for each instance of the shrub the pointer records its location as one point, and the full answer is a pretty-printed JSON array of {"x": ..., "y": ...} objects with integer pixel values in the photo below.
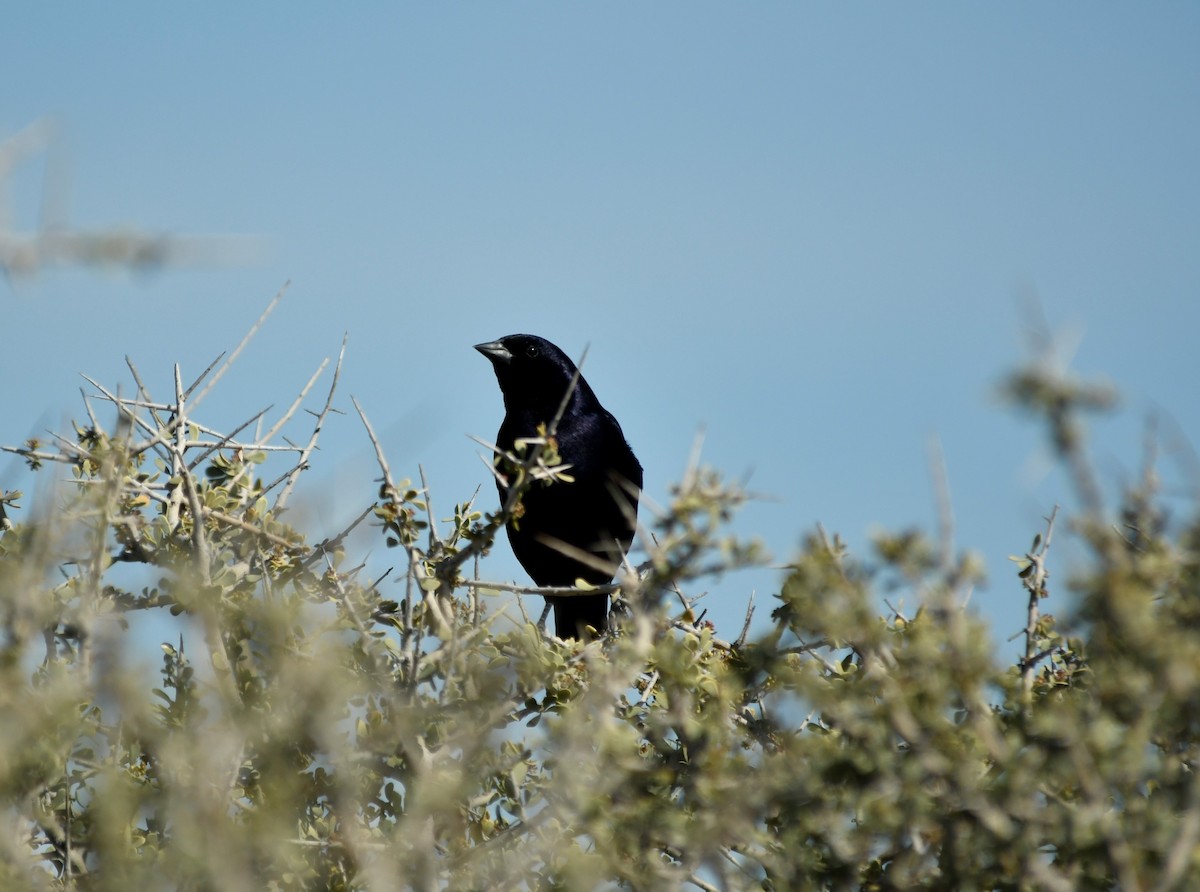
[{"x": 306, "y": 731}]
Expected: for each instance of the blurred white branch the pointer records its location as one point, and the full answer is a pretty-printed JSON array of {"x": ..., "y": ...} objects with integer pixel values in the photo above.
[{"x": 55, "y": 243}]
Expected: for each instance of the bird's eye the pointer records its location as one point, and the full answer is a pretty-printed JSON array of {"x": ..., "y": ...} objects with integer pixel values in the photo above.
[{"x": 531, "y": 351}]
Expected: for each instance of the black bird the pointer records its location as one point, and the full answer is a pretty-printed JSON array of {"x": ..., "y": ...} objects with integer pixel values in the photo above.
[{"x": 594, "y": 512}]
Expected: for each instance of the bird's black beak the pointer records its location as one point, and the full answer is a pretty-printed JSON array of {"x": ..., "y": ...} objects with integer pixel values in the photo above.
[{"x": 496, "y": 352}]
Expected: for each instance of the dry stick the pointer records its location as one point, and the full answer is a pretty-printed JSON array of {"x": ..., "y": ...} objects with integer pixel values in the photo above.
[
  {"x": 175, "y": 427},
  {"x": 240, "y": 347},
  {"x": 261, "y": 441},
  {"x": 278, "y": 480},
  {"x": 524, "y": 612},
  {"x": 39, "y": 456},
  {"x": 160, "y": 435},
  {"x": 87, "y": 407},
  {"x": 327, "y": 545},
  {"x": 248, "y": 527},
  {"x": 476, "y": 613},
  {"x": 254, "y": 445},
  {"x": 1035, "y": 584},
  {"x": 291, "y": 410},
  {"x": 563, "y": 591},
  {"x": 363, "y": 632},
  {"x": 410, "y": 638},
  {"x": 691, "y": 629},
  {"x": 116, "y": 401},
  {"x": 895, "y": 611},
  {"x": 146, "y": 402},
  {"x": 302, "y": 460},
  {"x": 111, "y": 476},
  {"x": 187, "y": 391},
  {"x": 187, "y": 484},
  {"x": 214, "y": 635},
  {"x": 434, "y": 540},
  {"x": 741, "y": 638},
  {"x": 67, "y": 446},
  {"x": 227, "y": 442}
]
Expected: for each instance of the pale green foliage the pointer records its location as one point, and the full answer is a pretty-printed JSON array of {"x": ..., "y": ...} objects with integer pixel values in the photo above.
[{"x": 311, "y": 729}]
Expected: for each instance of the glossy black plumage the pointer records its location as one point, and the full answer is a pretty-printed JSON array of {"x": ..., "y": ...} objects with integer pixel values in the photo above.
[{"x": 595, "y": 512}]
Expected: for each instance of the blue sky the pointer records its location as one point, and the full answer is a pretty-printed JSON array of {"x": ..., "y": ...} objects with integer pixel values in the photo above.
[{"x": 807, "y": 229}]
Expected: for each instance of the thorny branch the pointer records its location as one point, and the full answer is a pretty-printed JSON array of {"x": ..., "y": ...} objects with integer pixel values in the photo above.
[{"x": 1034, "y": 576}]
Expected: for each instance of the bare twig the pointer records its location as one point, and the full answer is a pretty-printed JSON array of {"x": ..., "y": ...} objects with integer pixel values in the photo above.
[
  {"x": 335, "y": 543},
  {"x": 434, "y": 540},
  {"x": 409, "y": 634},
  {"x": 1034, "y": 577},
  {"x": 191, "y": 388},
  {"x": 291, "y": 410},
  {"x": 555, "y": 591},
  {"x": 237, "y": 351},
  {"x": 302, "y": 461},
  {"x": 225, "y": 442},
  {"x": 187, "y": 486}
]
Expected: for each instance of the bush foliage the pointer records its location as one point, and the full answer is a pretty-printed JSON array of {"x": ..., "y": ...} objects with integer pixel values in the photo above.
[{"x": 314, "y": 728}]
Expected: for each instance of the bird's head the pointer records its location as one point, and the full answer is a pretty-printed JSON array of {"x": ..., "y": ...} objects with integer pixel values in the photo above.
[{"x": 532, "y": 372}]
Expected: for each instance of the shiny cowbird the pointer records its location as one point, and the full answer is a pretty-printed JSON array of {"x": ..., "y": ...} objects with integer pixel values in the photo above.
[{"x": 591, "y": 516}]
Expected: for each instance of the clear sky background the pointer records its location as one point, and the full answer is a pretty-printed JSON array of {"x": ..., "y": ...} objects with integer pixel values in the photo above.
[{"x": 807, "y": 229}]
